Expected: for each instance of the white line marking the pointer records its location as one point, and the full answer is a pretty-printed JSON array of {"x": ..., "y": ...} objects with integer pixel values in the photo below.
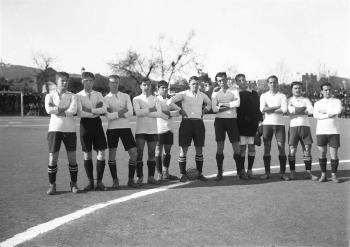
[{"x": 33, "y": 232}]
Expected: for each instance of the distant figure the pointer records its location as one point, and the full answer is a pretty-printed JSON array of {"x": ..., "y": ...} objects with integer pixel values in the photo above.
[{"x": 326, "y": 112}]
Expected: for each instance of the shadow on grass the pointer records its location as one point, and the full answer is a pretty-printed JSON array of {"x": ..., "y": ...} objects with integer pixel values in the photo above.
[{"x": 343, "y": 176}]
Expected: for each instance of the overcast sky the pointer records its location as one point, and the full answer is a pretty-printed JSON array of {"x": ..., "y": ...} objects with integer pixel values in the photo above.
[{"x": 252, "y": 35}]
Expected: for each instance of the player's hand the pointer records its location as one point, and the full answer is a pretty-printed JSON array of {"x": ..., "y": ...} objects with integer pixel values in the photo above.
[
  {"x": 62, "y": 109},
  {"x": 86, "y": 109},
  {"x": 166, "y": 113},
  {"x": 152, "y": 109},
  {"x": 109, "y": 110},
  {"x": 260, "y": 130},
  {"x": 205, "y": 110},
  {"x": 99, "y": 104},
  {"x": 122, "y": 111},
  {"x": 183, "y": 113},
  {"x": 52, "y": 104},
  {"x": 61, "y": 114},
  {"x": 121, "y": 115}
]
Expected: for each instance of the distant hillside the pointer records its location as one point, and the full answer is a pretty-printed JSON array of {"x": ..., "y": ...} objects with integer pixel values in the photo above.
[{"x": 12, "y": 72}]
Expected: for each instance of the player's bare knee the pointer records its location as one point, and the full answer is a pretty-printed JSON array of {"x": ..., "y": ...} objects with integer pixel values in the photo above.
[
  {"x": 251, "y": 149},
  {"x": 53, "y": 159},
  {"x": 100, "y": 155},
  {"x": 132, "y": 153},
  {"x": 87, "y": 155},
  {"x": 199, "y": 150},
  {"x": 72, "y": 157}
]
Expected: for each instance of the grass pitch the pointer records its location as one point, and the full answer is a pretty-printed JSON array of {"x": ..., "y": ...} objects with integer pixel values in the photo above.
[{"x": 226, "y": 213}]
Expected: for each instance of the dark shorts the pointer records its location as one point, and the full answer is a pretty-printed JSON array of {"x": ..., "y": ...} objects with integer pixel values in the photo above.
[
  {"x": 125, "y": 135},
  {"x": 331, "y": 140},
  {"x": 54, "y": 139},
  {"x": 147, "y": 137},
  {"x": 299, "y": 133},
  {"x": 191, "y": 129},
  {"x": 277, "y": 130},
  {"x": 166, "y": 138},
  {"x": 92, "y": 134},
  {"x": 223, "y": 125}
]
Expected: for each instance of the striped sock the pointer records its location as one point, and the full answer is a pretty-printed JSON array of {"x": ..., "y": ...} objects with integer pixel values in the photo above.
[
  {"x": 73, "y": 170},
  {"x": 182, "y": 164},
  {"x": 307, "y": 161},
  {"x": 52, "y": 171},
  {"x": 199, "y": 163}
]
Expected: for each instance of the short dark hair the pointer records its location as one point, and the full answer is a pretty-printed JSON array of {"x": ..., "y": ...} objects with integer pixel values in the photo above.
[
  {"x": 195, "y": 78},
  {"x": 238, "y": 76},
  {"x": 220, "y": 74},
  {"x": 325, "y": 84},
  {"x": 295, "y": 83},
  {"x": 272, "y": 77},
  {"x": 146, "y": 80},
  {"x": 85, "y": 75},
  {"x": 162, "y": 83},
  {"x": 115, "y": 77},
  {"x": 62, "y": 74}
]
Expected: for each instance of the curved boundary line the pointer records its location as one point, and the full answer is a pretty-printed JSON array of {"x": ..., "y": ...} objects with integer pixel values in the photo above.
[{"x": 34, "y": 231}]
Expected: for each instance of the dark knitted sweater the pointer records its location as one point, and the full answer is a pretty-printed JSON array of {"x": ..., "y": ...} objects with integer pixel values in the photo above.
[{"x": 248, "y": 113}]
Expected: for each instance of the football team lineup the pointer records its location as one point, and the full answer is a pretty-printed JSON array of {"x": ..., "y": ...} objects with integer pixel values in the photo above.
[{"x": 241, "y": 115}]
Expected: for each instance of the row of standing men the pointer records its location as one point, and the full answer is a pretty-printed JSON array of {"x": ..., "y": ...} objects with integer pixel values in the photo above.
[{"x": 240, "y": 114}]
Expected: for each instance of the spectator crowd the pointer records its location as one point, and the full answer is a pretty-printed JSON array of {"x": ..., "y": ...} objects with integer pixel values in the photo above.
[{"x": 33, "y": 103}]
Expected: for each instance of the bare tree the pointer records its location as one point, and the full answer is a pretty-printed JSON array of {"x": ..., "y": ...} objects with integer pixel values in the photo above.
[
  {"x": 168, "y": 61},
  {"x": 134, "y": 65},
  {"x": 174, "y": 59},
  {"x": 42, "y": 60}
]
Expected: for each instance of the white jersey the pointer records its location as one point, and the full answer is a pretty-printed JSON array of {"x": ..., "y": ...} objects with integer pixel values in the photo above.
[
  {"x": 322, "y": 109},
  {"x": 90, "y": 101},
  {"x": 146, "y": 122},
  {"x": 117, "y": 102},
  {"x": 53, "y": 101},
  {"x": 165, "y": 125},
  {"x": 191, "y": 102},
  {"x": 303, "y": 119},
  {"x": 229, "y": 96},
  {"x": 269, "y": 99}
]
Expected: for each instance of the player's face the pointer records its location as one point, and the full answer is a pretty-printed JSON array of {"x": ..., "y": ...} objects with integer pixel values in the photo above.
[
  {"x": 88, "y": 83},
  {"x": 242, "y": 82},
  {"x": 62, "y": 82},
  {"x": 194, "y": 86},
  {"x": 296, "y": 90},
  {"x": 163, "y": 90},
  {"x": 113, "y": 85},
  {"x": 273, "y": 84},
  {"x": 222, "y": 82},
  {"x": 146, "y": 87},
  {"x": 326, "y": 91}
]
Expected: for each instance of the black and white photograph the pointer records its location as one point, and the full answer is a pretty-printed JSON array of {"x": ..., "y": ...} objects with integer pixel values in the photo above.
[{"x": 174, "y": 123}]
